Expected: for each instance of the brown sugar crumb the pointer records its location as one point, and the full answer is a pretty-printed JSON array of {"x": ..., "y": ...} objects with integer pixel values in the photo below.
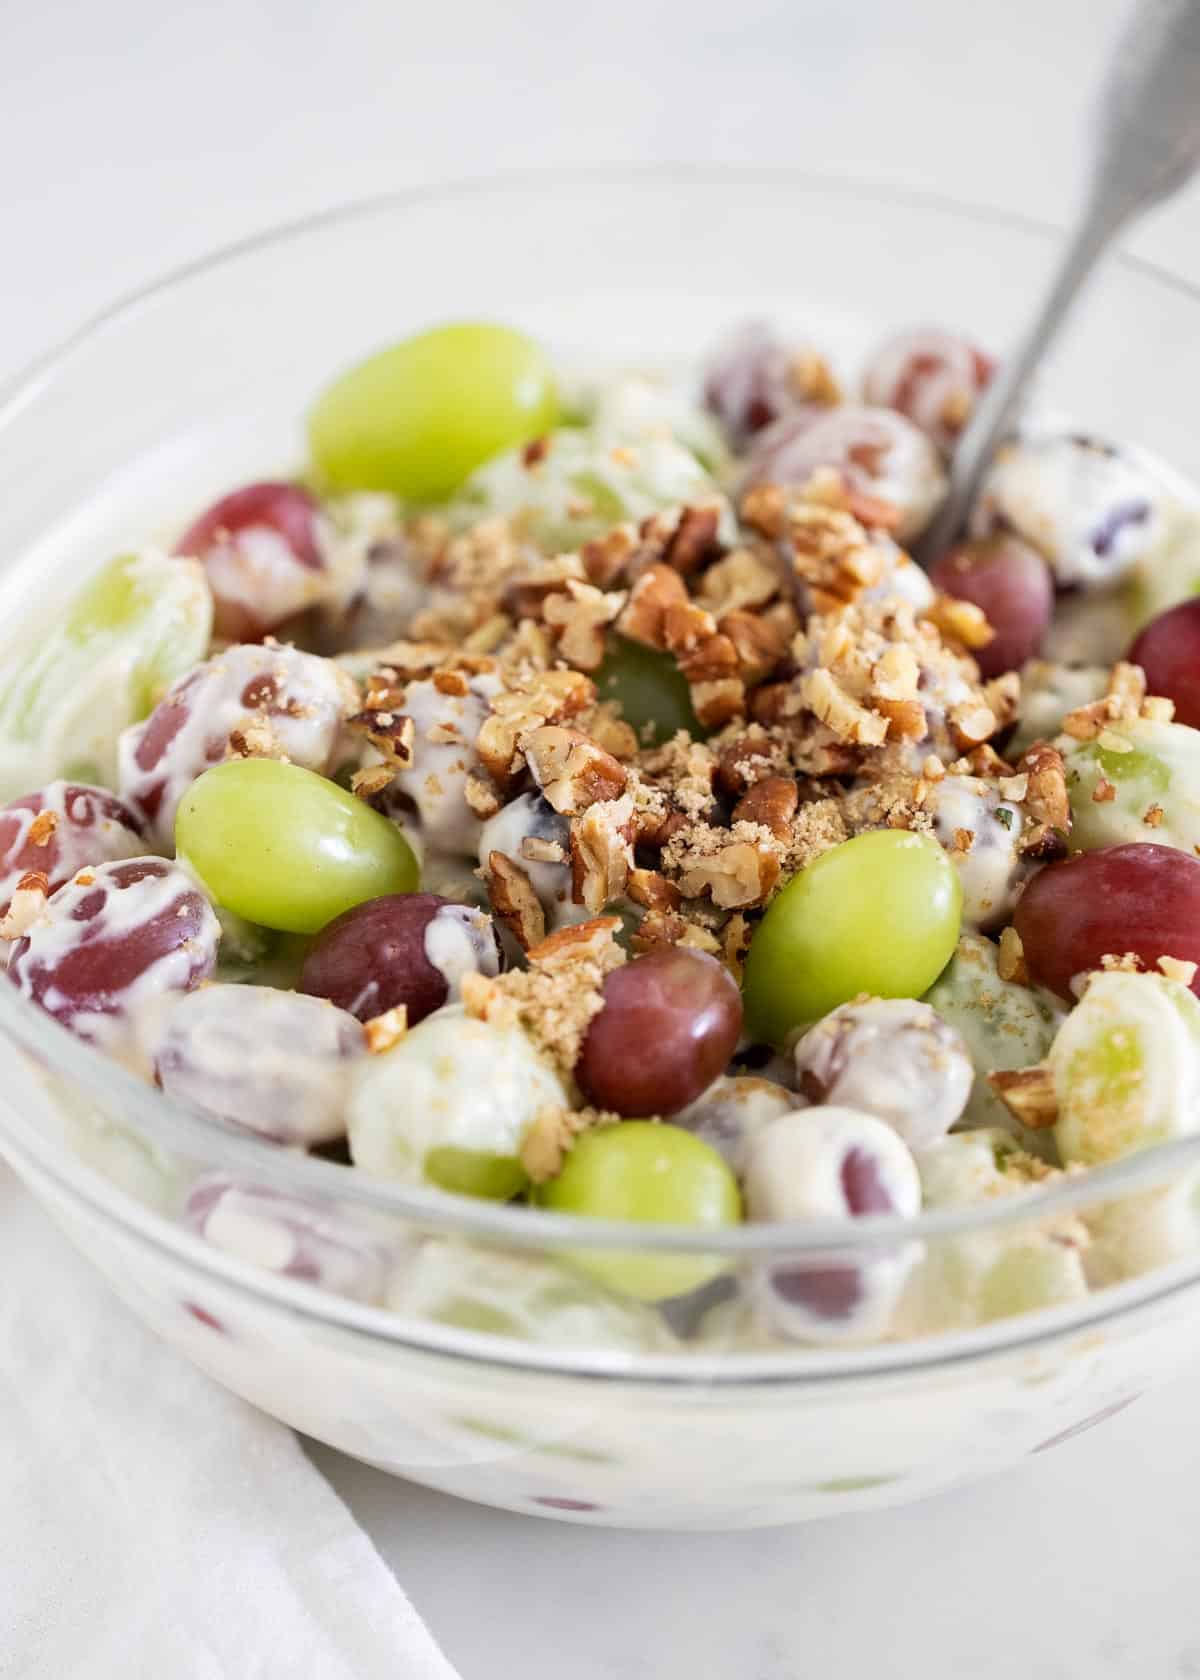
[
  {"x": 1104, "y": 792},
  {"x": 1010, "y": 963},
  {"x": 42, "y": 828},
  {"x": 555, "y": 998},
  {"x": 1124, "y": 701},
  {"x": 552, "y": 1135},
  {"x": 772, "y": 803},
  {"x": 1153, "y": 817},
  {"x": 384, "y": 1031},
  {"x": 1028, "y": 1094}
]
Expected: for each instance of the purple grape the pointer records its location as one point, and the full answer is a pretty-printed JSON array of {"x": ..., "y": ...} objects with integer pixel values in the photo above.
[
  {"x": 1011, "y": 583},
  {"x": 669, "y": 1025},
  {"x": 277, "y": 1063},
  {"x": 64, "y": 827},
  {"x": 113, "y": 941},
  {"x": 406, "y": 948},
  {"x": 260, "y": 551}
]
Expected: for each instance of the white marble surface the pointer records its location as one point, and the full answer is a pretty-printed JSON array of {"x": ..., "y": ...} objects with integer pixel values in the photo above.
[{"x": 134, "y": 136}]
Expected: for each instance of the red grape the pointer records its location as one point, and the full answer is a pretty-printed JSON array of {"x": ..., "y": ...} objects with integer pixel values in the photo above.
[
  {"x": 274, "y": 1062},
  {"x": 284, "y": 703},
  {"x": 113, "y": 941},
  {"x": 409, "y": 948},
  {"x": 296, "y": 1237},
  {"x": 880, "y": 456},
  {"x": 1143, "y": 899},
  {"x": 753, "y": 378},
  {"x": 932, "y": 377},
  {"x": 78, "y": 825},
  {"x": 1011, "y": 583},
  {"x": 1168, "y": 650},
  {"x": 669, "y": 1025},
  {"x": 260, "y": 552}
]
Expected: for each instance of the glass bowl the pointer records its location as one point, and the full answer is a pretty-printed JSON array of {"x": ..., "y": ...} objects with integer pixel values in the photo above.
[{"x": 499, "y": 1370}]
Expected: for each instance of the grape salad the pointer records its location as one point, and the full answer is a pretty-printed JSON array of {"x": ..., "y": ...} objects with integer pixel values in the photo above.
[{"x": 569, "y": 792}]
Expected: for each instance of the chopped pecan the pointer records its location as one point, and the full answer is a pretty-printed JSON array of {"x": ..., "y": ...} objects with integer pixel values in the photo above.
[
  {"x": 42, "y": 828},
  {"x": 718, "y": 702},
  {"x": 759, "y": 647},
  {"x": 572, "y": 771},
  {"x": 546, "y": 697},
  {"x": 27, "y": 903},
  {"x": 1046, "y": 803},
  {"x": 960, "y": 621},
  {"x": 526, "y": 593},
  {"x": 906, "y": 718},
  {"x": 383, "y": 1032},
  {"x": 481, "y": 796},
  {"x": 1029, "y": 1094},
  {"x": 605, "y": 558},
  {"x": 581, "y": 616},
  {"x": 744, "y": 578},
  {"x": 764, "y": 509},
  {"x": 747, "y": 759},
  {"x": 694, "y": 539},
  {"x": 739, "y": 875},
  {"x": 514, "y": 900},
  {"x": 652, "y": 891},
  {"x": 658, "y": 928},
  {"x": 644, "y": 615},
  {"x": 840, "y": 712},
  {"x": 392, "y": 734},
  {"x": 971, "y": 723},
  {"x": 1010, "y": 963},
  {"x": 372, "y": 780},
  {"x": 593, "y": 940},
  {"x": 601, "y": 852},
  {"x": 771, "y": 802},
  {"x": 611, "y": 732}
]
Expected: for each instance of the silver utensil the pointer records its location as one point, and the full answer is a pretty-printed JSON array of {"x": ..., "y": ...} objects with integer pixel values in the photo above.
[{"x": 1146, "y": 145}]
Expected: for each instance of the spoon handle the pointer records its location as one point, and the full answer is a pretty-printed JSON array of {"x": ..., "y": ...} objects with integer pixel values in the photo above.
[{"x": 1146, "y": 145}]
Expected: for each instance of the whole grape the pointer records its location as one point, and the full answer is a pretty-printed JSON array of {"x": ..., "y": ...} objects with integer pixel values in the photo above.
[
  {"x": 755, "y": 377},
  {"x": 1168, "y": 650},
  {"x": 1092, "y": 512},
  {"x": 931, "y": 376},
  {"x": 405, "y": 948},
  {"x": 450, "y": 1105},
  {"x": 894, "y": 1058},
  {"x": 275, "y": 701},
  {"x": 60, "y": 829},
  {"x": 446, "y": 727},
  {"x": 277, "y": 1063},
  {"x": 877, "y": 452},
  {"x": 647, "y": 1174},
  {"x": 991, "y": 868},
  {"x": 669, "y": 1024},
  {"x": 1138, "y": 780},
  {"x": 732, "y": 1111},
  {"x": 114, "y": 941},
  {"x": 830, "y": 1163},
  {"x": 1010, "y": 582},
  {"x": 417, "y": 418},
  {"x": 293, "y": 1236},
  {"x": 261, "y": 555},
  {"x": 1140, "y": 899},
  {"x": 288, "y": 849},
  {"x": 1126, "y": 1068},
  {"x": 879, "y": 914}
]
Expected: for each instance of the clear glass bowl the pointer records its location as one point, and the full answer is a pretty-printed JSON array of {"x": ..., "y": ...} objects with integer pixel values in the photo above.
[{"x": 498, "y": 1374}]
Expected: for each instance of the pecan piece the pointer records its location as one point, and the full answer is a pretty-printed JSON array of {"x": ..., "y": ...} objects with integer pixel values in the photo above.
[
  {"x": 759, "y": 646},
  {"x": 514, "y": 900},
  {"x": 571, "y": 770},
  {"x": 392, "y": 734},
  {"x": 1028, "y": 1093},
  {"x": 772, "y": 803},
  {"x": 652, "y": 891},
  {"x": 1046, "y": 803},
  {"x": 643, "y": 618},
  {"x": 694, "y": 539},
  {"x": 601, "y": 852}
]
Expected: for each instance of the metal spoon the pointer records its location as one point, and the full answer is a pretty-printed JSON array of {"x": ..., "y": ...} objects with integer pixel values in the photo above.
[{"x": 1146, "y": 146}]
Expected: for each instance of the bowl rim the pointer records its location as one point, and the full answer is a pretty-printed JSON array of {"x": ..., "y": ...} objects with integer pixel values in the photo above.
[{"x": 160, "y": 1119}]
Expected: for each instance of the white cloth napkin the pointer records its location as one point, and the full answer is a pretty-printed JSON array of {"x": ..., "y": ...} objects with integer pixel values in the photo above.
[{"x": 152, "y": 1524}]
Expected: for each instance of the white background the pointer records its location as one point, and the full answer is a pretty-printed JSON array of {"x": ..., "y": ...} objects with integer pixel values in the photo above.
[{"x": 135, "y": 134}]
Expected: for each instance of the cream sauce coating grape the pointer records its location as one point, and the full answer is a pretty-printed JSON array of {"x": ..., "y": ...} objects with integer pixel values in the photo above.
[
  {"x": 931, "y": 376},
  {"x": 60, "y": 829},
  {"x": 260, "y": 551},
  {"x": 284, "y": 703},
  {"x": 277, "y": 1063},
  {"x": 111, "y": 944}
]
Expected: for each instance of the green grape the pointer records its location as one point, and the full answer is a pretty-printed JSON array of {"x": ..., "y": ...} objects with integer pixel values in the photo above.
[
  {"x": 286, "y": 848},
  {"x": 652, "y": 691},
  {"x": 1004, "y": 1026},
  {"x": 582, "y": 483},
  {"x": 532, "y": 1298},
  {"x": 68, "y": 692},
  {"x": 878, "y": 914},
  {"x": 631, "y": 407},
  {"x": 1126, "y": 1067},
  {"x": 649, "y": 1174},
  {"x": 1159, "y": 768},
  {"x": 450, "y": 1105},
  {"x": 417, "y": 418}
]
